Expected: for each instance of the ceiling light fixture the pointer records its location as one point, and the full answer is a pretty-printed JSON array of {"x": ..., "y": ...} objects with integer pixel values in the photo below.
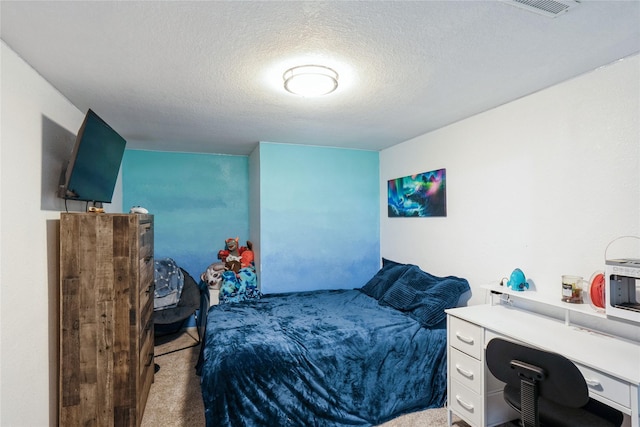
[{"x": 310, "y": 80}]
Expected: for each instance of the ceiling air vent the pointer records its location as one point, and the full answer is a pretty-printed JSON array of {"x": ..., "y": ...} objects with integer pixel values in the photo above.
[{"x": 550, "y": 8}]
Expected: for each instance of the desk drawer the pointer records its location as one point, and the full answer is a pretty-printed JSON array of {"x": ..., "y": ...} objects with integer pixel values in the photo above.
[
  {"x": 466, "y": 403},
  {"x": 606, "y": 386},
  {"x": 466, "y": 337},
  {"x": 466, "y": 370}
]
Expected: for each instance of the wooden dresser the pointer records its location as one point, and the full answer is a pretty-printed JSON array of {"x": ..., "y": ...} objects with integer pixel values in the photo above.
[{"x": 106, "y": 318}]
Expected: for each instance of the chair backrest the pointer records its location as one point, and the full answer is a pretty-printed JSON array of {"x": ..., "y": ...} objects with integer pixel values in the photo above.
[{"x": 560, "y": 380}]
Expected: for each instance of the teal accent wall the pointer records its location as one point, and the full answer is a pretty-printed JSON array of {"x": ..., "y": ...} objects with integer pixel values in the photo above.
[
  {"x": 198, "y": 200},
  {"x": 319, "y": 217}
]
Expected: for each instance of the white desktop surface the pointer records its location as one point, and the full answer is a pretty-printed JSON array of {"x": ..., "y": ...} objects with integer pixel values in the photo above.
[{"x": 605, "y": 353}]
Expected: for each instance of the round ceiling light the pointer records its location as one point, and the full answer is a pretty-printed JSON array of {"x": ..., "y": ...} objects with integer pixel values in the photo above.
[{"x": 310, "y": 80}]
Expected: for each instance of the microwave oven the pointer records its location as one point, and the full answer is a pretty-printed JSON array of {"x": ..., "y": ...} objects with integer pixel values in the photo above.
[{"x": 622, "y": 289}]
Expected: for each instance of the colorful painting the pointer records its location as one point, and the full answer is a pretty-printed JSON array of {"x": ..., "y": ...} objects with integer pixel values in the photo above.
[{"x": 420, "y": 195}]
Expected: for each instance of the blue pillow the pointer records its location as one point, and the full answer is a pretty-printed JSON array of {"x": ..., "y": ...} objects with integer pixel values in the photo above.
[
  {"x": 420, "y": 280},
  {"x": 384, "y": 278},
  {"x": 424, "y": 297}
]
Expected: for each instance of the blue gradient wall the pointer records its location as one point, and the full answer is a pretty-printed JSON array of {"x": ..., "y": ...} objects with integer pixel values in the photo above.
[
  {"x": 198, "y": 200},
  {"x": 319, "y": 217}
]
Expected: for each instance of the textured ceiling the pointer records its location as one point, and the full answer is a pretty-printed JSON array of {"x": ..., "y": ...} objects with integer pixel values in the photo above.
[{"x": 207, "y": 76}]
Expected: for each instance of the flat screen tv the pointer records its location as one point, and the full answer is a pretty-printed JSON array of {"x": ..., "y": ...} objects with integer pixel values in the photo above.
[{"x": 92, "y": 170}]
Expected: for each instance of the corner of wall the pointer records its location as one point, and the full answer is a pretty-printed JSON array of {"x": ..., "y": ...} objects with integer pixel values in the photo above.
[{"x": 254, "y": 206}]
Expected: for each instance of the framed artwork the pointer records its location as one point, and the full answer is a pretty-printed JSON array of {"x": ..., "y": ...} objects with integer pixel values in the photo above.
[{"x": 421, "y": 195}]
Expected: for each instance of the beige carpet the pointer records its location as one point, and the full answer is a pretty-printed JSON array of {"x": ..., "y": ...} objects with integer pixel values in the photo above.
[{"x": 175, "y": 400}]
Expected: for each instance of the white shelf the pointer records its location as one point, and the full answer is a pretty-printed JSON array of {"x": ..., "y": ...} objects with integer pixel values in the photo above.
[{"x": 536, "y": 297}]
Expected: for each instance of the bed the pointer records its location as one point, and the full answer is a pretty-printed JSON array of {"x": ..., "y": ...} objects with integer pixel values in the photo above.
[{"x": 349, "y": 357}]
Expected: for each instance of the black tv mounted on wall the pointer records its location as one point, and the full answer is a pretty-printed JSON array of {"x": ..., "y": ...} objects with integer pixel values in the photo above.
[{"x": 93, "y": 168}]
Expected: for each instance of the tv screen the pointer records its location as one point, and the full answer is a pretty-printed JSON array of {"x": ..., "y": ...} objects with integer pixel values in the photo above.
[{"x": 95, "y": 161}]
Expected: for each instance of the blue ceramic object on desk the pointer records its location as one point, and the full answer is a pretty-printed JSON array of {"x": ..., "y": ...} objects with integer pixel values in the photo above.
[{"x": 517, "y": 281}]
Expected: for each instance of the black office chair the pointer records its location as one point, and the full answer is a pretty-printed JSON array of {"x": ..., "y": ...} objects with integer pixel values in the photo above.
[
  {"x": 194, "y": 301},
  {"x": 546, "y": 388}
]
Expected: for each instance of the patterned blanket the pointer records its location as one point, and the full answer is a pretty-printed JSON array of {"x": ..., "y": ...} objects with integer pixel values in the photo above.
[{"x": 239, "y": 287}]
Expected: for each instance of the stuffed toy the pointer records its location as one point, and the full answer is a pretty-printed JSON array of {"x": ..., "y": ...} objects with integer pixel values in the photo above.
[
  {"x": 238, "y": 280},
  {"x": 212, "y": 276},
  {"x": 236, "y": 257},
  {"x": 238, "y": 264}
]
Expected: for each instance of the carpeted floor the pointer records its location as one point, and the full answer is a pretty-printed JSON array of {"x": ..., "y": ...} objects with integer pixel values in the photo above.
[{"x": 175, "y": 400}]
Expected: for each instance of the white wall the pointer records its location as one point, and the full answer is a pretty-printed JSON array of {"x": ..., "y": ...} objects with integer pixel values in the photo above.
[
  {"x": 543, "y": 183},
  {"x": 38, "y": 126}
]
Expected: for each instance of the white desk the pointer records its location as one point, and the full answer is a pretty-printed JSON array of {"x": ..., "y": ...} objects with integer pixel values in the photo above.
[{"x": 610, "y": 365}]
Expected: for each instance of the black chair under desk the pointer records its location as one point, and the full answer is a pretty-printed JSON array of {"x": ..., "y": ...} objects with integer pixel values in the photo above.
[
  {"x": 194, "y": 301},
  {"x": 546, "y": 388}
]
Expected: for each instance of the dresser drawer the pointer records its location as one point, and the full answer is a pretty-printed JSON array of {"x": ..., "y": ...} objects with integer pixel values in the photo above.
[
  {"x": 466, "y": 370},
  {"x": 146, "y": 380},
  {"x": 145, "y": 232},
  {"x": 146, "y": 318},
  {"x": 146, "y": 299},
  {"x": 466, "y": 403},
  {"x": 606, "y": 386},
  {"x": 146, "y": 349},
  {"x": 146, "y": 370},
  {"x": 146, "y": 272},
  {"x": 146, "y": 254},
  {"x": 466, "y": 337}
]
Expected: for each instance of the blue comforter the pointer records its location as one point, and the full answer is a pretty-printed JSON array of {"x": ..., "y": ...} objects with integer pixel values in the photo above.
[{"x": 320, "y": 358}]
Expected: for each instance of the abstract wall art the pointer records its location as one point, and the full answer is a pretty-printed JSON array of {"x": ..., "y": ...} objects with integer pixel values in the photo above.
[{"x": 421, "y": 195}]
